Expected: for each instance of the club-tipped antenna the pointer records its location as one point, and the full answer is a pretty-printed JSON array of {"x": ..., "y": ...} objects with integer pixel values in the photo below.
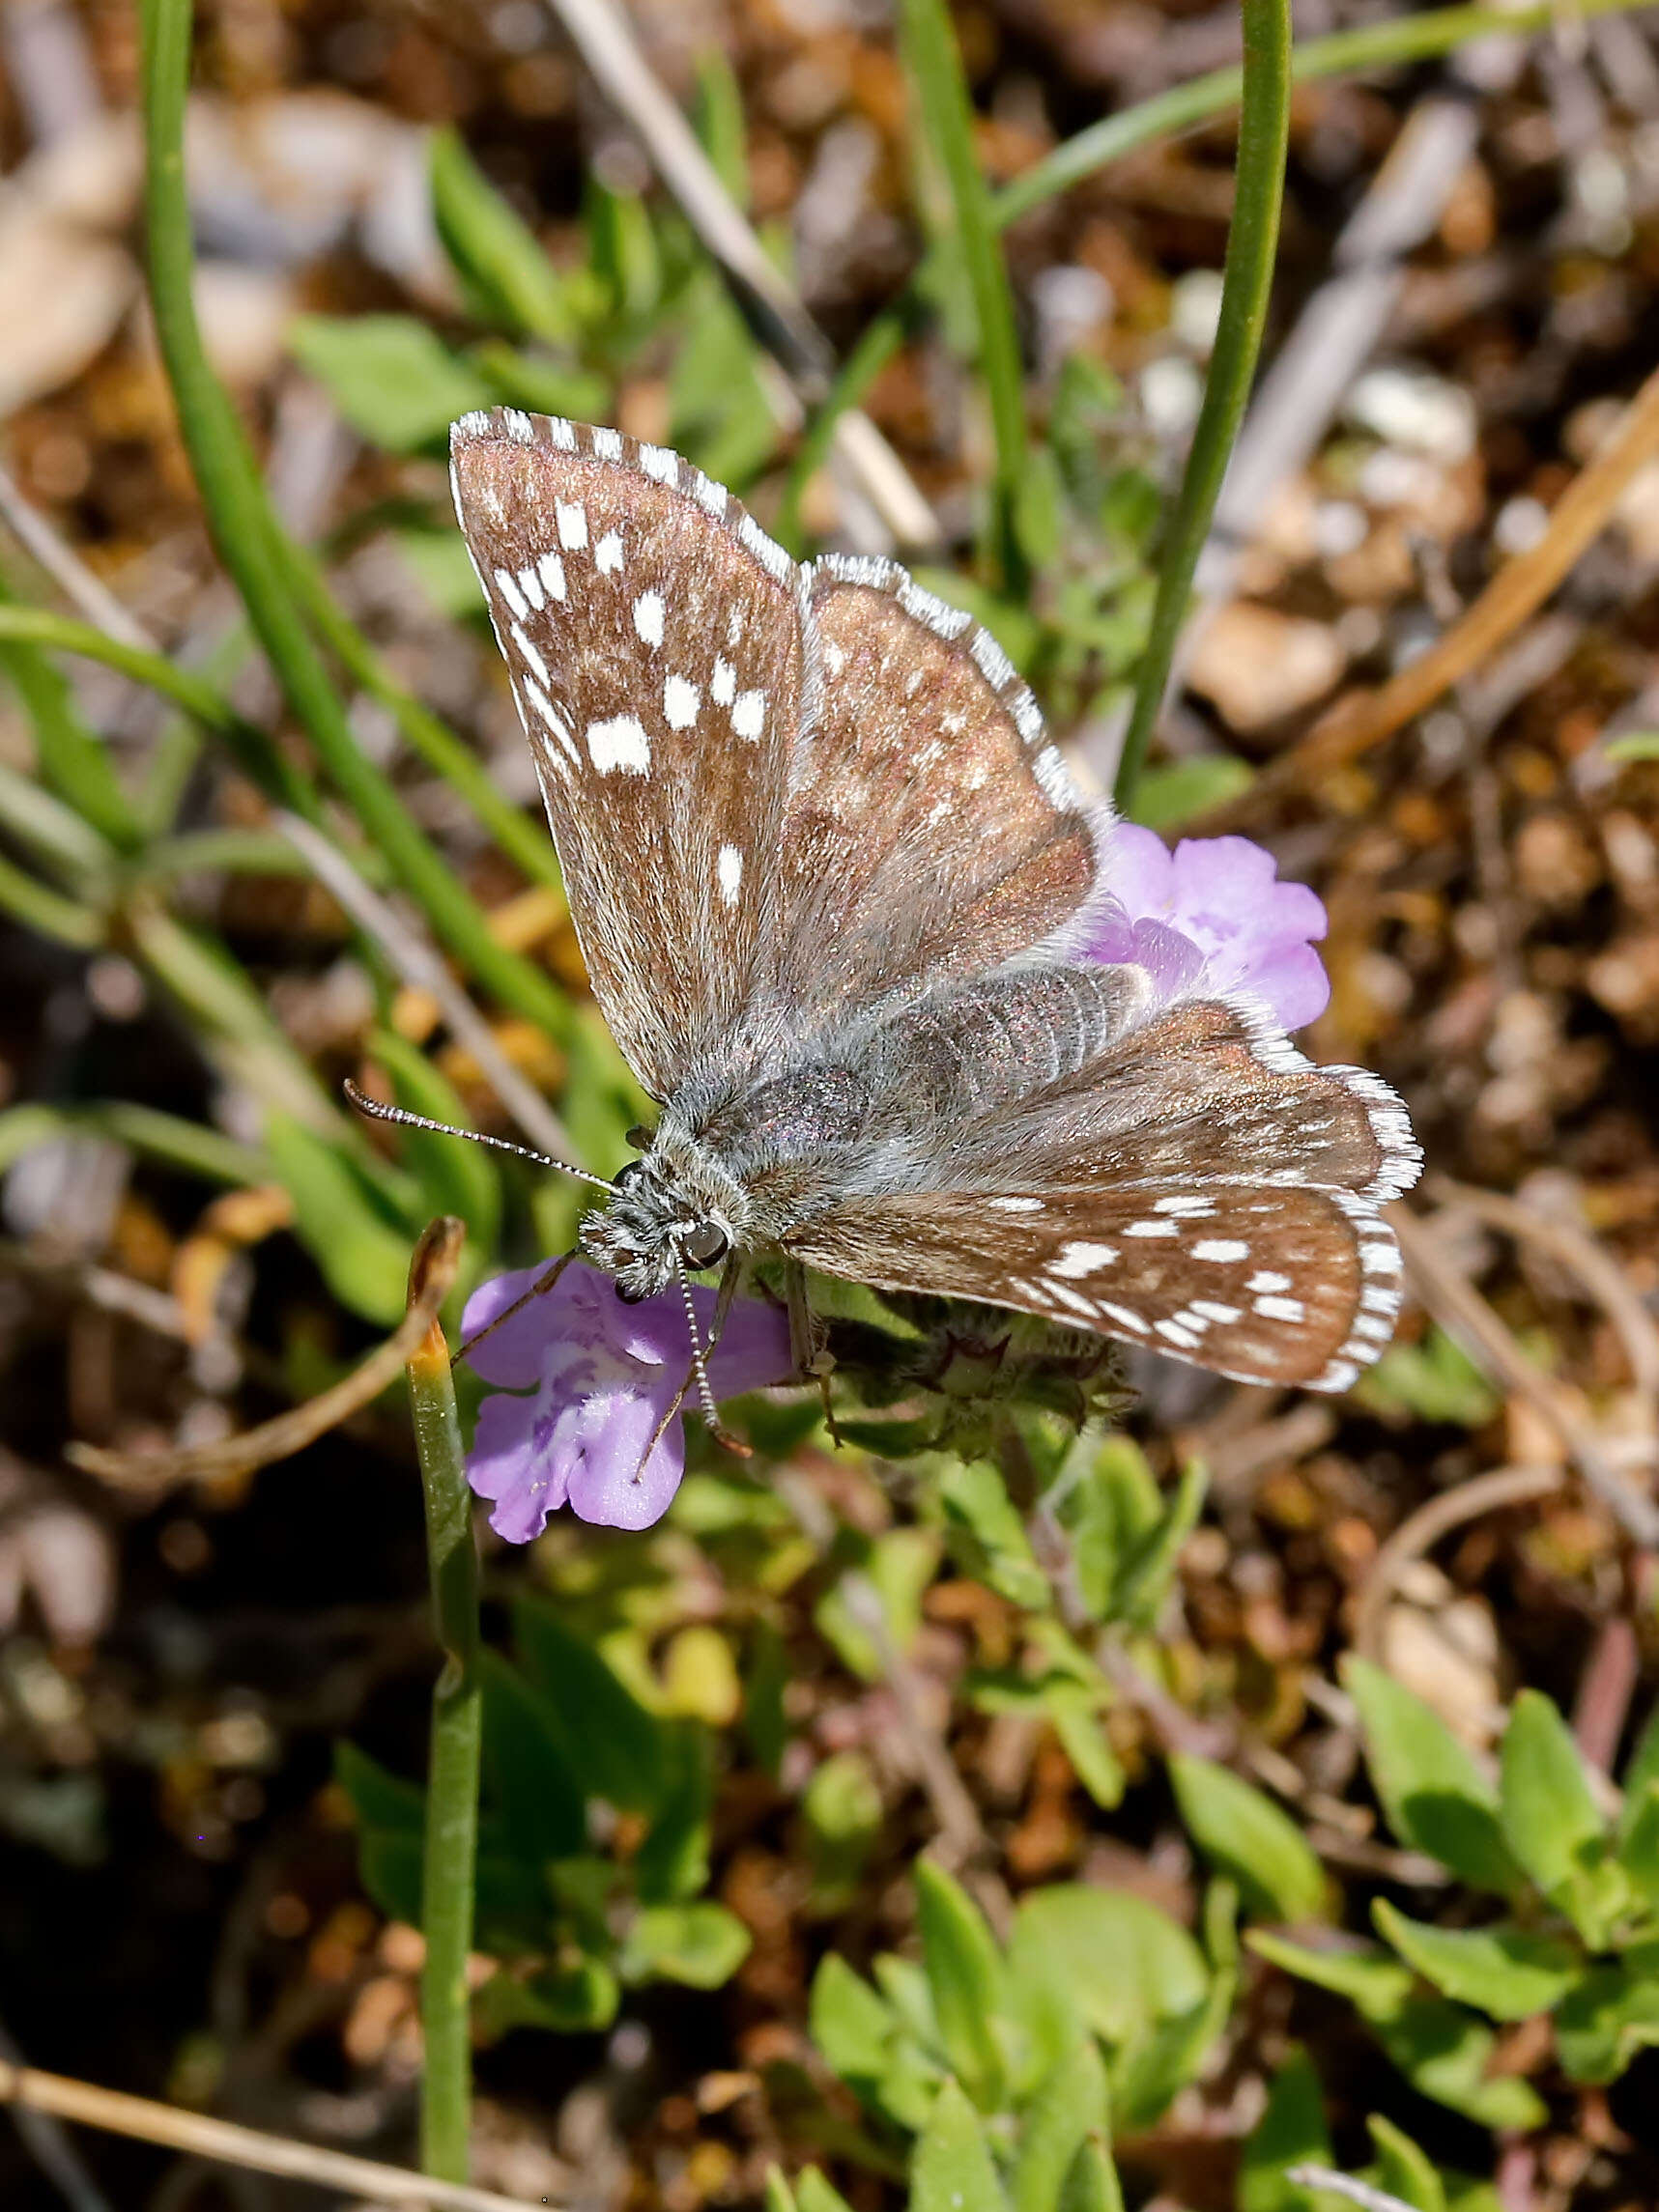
[{"x": 377, "y": 1111}]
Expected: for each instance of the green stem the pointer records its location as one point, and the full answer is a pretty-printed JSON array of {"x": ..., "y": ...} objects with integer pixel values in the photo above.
[
  {"x": 451, "y": 1841},
  {"x": 935, "y": 69},
  {"x": 47, "y": 912},
  {"x": 165, "y": 1138},
  {"x": 248, "y": 541},
  {"x": 876, "y": 346},
  {"x": 1247, "y": 279},
  {"x": 254, "y": 751}
]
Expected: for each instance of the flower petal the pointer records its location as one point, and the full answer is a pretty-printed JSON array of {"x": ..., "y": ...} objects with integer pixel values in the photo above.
[
  {"x": 609, "y": 1485},
  {"x": 514, "y": 1355},
  {"x": 509, "y": 1463}
]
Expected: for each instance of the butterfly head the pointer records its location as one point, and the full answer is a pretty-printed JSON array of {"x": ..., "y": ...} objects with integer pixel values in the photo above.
[{"x": 673, "y": 1213}]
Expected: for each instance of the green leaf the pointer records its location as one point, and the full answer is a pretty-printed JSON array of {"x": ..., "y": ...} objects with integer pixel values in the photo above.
[
  {"x": 1107, "y": 1500},
  {"x": 1448, "y": 2054},
  {"x": 529, "y": 1777},
  {"x": 986, "y": 1536},
  {"x": 1635, "y": 745},
  {"x": 1072, "y": 1710},
  {"x": 1550, "y": 1817},
  {"x": 1173, "y": 793},
  {"x": 965, "y": 1976},
  {"x": 572, "y": 2000},
  {"x": 1612, "y": 2015},
  {"x": 1070, "y": 2104},
  {"x": 1117, "y": 1961},
  {"x": 1641, "y": 1767},
  {"x": 765, "y": 1723},
  {"x": 1434, "y": 1381},
  {"x": 843, "y": 1812},
  {"x": 615, "y": 1748},
  {"x": 1377, "y": 1985},
  {"x": 953, "y": 2169},
  {"x": 778, "y": 2196},
  {"x": 1146, "y": 1573},
  {"x": 1148, "y": 2074},
  {"x": 1245, "y": 1835},
  {"x": 1038, "y": 519},
  {"x": 508, "y": 278},
  {"x": 850, "y": 2023},
  {"x": 938, "y": 87},
  {"x": 337, "y": 1217},
  {"x": 700, "y": 1944},
  {"x": 815, "y": 2194},
  {"x": 1435, "y": 1795},
  {"x": 672, "y": 1861},
  {"x": 379, "y": 1798},
  {"x": 718, "y": 115},
  {"x": 1291, "y": 2131},
  {"x": 1510, "y": 1974},
  {"x": 1639, "y": 1852},
  {"x": 393, "y": 378},
  {"x": 1403, "y": 2170},
  {"x": 1091, "y": 2183}
]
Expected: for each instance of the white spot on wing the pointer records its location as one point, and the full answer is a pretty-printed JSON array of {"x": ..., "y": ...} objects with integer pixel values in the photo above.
[
  {"x": 748, "y": 715},
  {"x": 1162, "y": 1226},
  {"x": 680, "y": 702},
  {"x": 608, "y": 444},
  {"x": 709, "y": 496},
  {"x": 532, "y": 660},
  {"x": 724, "y": 688},
  {"x": 766, "y": 550},
  {"x": 619, "y": 742},
  {"x": 1016, "y": 1205},
  {"x": 659, "y": 462},
  {"x": 1281, "y": 1309},
  {"x": 1220, "y": 1249},
  {"x": 649, "y": 617},
  {"x": 608, "y": 553},
  {"x": 551, "y": 569},
  {"x": 1122, "y": 1318},
  {"x": 520, "y": 428},
  {"x": 1082, "y": 1258},
  {"x": 530, "y": 584},
  {"x": 1265, "y": 1279},
  {"x": 506, "y": 584},
  {"x": 561, "y": 432},
  {"x": 729, "y": 867},
  {"x": 572, "y": 518}
]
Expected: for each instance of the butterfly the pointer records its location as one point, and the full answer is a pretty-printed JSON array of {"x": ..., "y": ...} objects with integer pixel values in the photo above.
[{"x": 832, "y": 883}]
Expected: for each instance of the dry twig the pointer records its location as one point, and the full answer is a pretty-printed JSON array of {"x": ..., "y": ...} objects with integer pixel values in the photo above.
[
  {"x": 1460, "y": 1309},
  {"x": 1519, "y": 588},
  {"x": 290, "y": 1432},
  {"x": 235, "y": 2145},
  {"x": 1437, "y": 1517}
]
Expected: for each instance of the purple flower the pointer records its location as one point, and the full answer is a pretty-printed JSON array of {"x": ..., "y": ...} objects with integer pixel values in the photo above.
[
  {"x": 1212, "y": 916},
  {"x": 583, "y": 1381}
]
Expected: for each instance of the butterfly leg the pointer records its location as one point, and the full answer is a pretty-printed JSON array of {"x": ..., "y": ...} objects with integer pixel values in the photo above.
[{"x": 809, "y": 1354}]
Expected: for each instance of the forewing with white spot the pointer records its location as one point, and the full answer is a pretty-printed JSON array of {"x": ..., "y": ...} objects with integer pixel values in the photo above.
[{"x": 652, "y": 633}]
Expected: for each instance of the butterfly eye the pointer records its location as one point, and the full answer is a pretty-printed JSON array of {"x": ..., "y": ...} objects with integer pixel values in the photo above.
[
  {"x": 704, "y": 1245},
  {"x": 627, "y": 1174}
]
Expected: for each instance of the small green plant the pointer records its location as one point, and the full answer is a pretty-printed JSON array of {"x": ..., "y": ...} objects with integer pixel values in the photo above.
[
  {"x": 565, "y": 1738},
  {"x": 1096, "y": 1998},
  {"x": 1574, "y": 1929}
]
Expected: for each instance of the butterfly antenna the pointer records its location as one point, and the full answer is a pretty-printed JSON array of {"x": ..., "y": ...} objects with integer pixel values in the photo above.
[{"x": 375, "y": 1111}]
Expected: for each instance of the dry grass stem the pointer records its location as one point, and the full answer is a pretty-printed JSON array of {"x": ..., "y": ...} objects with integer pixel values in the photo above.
[
  {"x": 1424, "y": 1528},
  {"x": 290, "y": 1432},
  {"x": 232, "y": 2145}
]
